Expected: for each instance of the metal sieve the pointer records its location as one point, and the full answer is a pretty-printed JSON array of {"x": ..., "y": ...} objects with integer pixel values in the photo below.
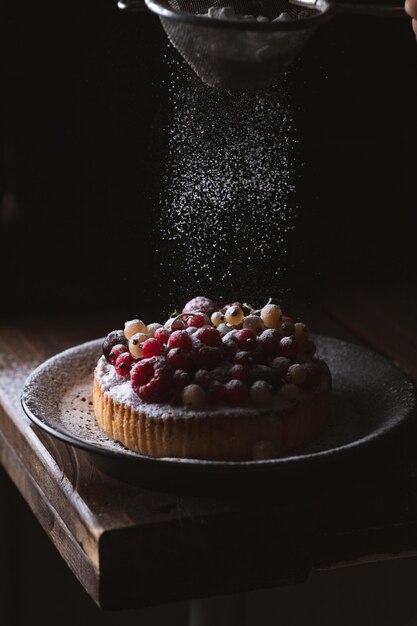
[{"x": 245, "y": 54}]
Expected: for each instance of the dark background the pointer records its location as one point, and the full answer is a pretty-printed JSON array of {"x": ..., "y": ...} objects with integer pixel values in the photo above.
[{"x": 84, "y": 114}]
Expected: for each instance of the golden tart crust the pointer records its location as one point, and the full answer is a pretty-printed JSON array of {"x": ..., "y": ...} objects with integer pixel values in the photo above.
[{"x": 228, "y": 435}]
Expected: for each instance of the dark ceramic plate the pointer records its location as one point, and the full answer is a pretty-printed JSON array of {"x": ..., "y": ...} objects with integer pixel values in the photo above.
[{"x": 372, "y": 398}]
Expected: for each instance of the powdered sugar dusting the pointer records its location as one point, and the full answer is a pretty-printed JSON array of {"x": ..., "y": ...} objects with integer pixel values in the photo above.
[{"x": 226, "y": 200}]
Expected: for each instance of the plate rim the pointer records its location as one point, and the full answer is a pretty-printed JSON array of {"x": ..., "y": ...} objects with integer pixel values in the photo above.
[{"x": 252, "y": 465}]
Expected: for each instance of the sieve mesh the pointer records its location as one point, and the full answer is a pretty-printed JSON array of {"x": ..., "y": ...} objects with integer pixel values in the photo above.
[{"x": 236, "y": 54}]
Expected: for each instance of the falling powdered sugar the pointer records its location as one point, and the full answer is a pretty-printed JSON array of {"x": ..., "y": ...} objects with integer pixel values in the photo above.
[{"x": 225, "y": 201}]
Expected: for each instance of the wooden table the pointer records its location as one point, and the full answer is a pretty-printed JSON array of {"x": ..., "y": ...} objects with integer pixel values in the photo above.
[{"x": 130, "y": 547}]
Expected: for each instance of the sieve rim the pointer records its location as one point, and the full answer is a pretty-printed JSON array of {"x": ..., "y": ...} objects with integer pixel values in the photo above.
[{"x": 325, "y": 11}]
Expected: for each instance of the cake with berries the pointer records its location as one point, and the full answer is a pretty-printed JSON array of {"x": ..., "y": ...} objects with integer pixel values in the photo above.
[{"x": 229, "y": 384}]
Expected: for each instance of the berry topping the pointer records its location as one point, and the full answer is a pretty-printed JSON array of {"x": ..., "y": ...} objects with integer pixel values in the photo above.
[
  {"x": 136, "y": 344},
  {"x": 200, "y": 303},
  {"x": 234, "y": 315},
  {"x": 180, "y": 378},
  {"x": 238, "y": 372},
  {"x": 151, "y": 379},
  {"x": 302, "y": 332},
  {"x": 124, "y": 364},
  {"x": 216, "y": 393},
  {"x": 151, "y": 347},
  {"x": 116, "y": 351},
  {"x": 217, "y": 318},
  {"x": 296, "y": 374},
  {"x": 289, "y": 347},
  {"x": 270, "y": 341},
  {"x": 224, "y": 329},
  {"x": 253, "y": 322},
  {"x": 206, "y": 357},
  {"x": 112, "y": 339},
  {"x": 203, "y": 378},
  {"x": 209, "y": 336},
  {"x": 175, "y": 323},
  {"x": 313, "y": 375},
  {"x": 261, "y": 392},
  {"x": 178, "y": 359},
  {"x": 288, "y": 392},
  {"x": 237, "y": 392},
  {"x": 271, "y": 315},
  {"x": 134, "y": 326},
  {"x": 246, "y": 339},
  {"x": 198, "y": 320},
  {"x": 180, "y": 339},
  {"x": 243, "y": 358},
  {"x": 151, "y": 328},
  {"x": 161, "y": 335},
  {"x": 193, "y": 396},
  {"x": 287, "y": 327}
]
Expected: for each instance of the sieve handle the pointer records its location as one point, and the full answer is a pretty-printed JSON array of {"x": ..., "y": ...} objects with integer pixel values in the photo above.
[
  {"x": 132, "y": 5},
  {"x": 377, "y": 10}
]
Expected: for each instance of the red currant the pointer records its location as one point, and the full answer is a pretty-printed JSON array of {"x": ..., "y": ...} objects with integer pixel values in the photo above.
[
  {"x": 198, "y": 320},
  {"x": 209, "y": 335},
  {"x": 124, "y": 363},
  {"x": 246, "y": 339},
  {"x": 206, "y": 357},
  {"x": 238, "y": 372},
  {"x": 180, "y": 339},
  {"x": 270, "y": 341},
  {"x": 116, "y": 351},
  {"x": 177, "y": 359},
  {"x": 162, "y": 335},
  {"x": 243, "y": 358},
  {"x": 150, "y": 348},
  {"x": 289, "y": 347},
  {"x": 216, "y": 393},
  {"x": 180, "y": 379},
  {"x": 237, "y": 392}
]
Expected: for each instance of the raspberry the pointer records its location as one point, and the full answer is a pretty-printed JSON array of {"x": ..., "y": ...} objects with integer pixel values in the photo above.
[
  {"x": 210, "y": 336},
  {"x": 246, "y": 339},
  {"x": 200, "y": 303},
  {"x": 270, "y": 341},
  {"x": 162, "y": 335},
  {"x": 151, "y": 379},
  {"x": 112, "y": 339},
  {"x": 180, "y": 339},
  {"x": 289, "y": 347},
  {"x": 177, "y": 359},
  {"x": 238, "y": 372},
  {"x": 237, "y": 392},
  {"x": 124, "y": 363},
  {"x": 116, "y": 351},
  {"x": 198, "y": 320},
  {"x": 150, "y": 348}
]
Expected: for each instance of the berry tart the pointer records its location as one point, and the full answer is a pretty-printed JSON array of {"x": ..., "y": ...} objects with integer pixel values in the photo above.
[{"x": 229, "y": 384}]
